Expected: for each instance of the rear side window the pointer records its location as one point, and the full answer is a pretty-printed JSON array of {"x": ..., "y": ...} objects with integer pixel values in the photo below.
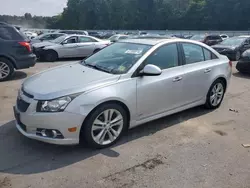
[
  {"x": 10, "y": 33},
  {"x": 165, "y": 57},
  {"x": 193, "y": 53},
  {"x": 209, "y": 55}
]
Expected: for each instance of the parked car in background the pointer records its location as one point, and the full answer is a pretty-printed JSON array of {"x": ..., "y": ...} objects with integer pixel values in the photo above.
[
  {"x": 94, "y": 34},
  {"x": 207, "y": 39},
  {"x": 68, "y": 46},
  {"x": 15, "y": 51},
  {"x": 233, "y": 47},
  {"x": 46, "y": 37},
  {"x": 30, "y": 35},
  {"x": 224, "y": 36},
  {"x": 243, "y": 64},
  {"x": 122, "y": 86},
  {"x": 118, "y": 37},
  {"x": 70, "y": 32}
]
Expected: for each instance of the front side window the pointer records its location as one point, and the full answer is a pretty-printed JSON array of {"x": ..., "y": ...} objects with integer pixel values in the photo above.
[
  {"x": 207, "y": 54},
  {"x": 193, "y": 53},
  {"x": 71, "y": 40},
  {"x": 165, "y": 57},
  {"x": 117, "y": 58}
]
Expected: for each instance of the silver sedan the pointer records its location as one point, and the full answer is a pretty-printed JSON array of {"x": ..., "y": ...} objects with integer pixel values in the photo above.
[
  {"x": 68, "y": 46},
  {"x": 122, "y": 86}
]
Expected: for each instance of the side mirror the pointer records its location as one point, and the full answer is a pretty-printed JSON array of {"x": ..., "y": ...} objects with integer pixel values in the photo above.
[{"x": 150, "y": 70}]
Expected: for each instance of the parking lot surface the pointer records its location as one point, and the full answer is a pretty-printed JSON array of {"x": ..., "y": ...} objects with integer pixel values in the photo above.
[{"x": 194, "y": 148}]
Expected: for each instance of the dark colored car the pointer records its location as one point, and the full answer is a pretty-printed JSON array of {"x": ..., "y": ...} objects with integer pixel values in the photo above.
[
  {"x": 233, "y": 47},
  {"x": 15, "y": 51},
  {"x": 94, "y": 34},
  {"x": 46, "y": 37},
  {"x": 243, "y": 64},
  {"x": 208, "y": 39}
]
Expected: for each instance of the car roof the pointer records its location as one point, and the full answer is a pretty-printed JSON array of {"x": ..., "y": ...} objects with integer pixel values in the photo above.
[{"x": 244, "y": 36}]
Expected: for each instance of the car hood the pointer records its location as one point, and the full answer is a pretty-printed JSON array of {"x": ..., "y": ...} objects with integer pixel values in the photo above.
[
  {"x": 220, "y": 46},
  {"x": 66, "y": 80},
  {"x": 43, "y": 44}
]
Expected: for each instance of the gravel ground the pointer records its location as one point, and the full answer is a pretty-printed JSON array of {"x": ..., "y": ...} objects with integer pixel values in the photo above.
[{"x": 194, "y": 148}]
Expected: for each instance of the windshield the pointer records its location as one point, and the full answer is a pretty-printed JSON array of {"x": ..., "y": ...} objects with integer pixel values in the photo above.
[
  {"x": 117, "y": 58},
  {"x": 197, "y": 37},
  {"x": 59, "y": 39},
  {"x": 234, "y": 41}
]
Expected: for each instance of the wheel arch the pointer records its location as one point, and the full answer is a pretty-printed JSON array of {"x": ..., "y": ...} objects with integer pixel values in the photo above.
[
  {"x": 12, "y": 60},
  {"x": 113, "y": 101}
]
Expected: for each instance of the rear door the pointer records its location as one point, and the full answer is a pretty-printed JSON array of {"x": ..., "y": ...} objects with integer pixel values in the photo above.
[
  {"x": 198, "y": 71},
  {"x": 85, "y": 46}
]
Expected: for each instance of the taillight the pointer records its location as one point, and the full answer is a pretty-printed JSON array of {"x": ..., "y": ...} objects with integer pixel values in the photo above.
[
  {"x": 231, "y": 64},
  {"x": 26, "y": 45}
]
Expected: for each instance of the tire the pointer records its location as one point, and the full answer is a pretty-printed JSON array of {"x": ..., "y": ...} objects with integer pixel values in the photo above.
[
  {"x": 6, "y": 69},
  {"x": 237, "y": 56},
  {"x": 50, "y": 56},
  {"x": 93, "y": 136},
  {"x": 215, "y": 102}
]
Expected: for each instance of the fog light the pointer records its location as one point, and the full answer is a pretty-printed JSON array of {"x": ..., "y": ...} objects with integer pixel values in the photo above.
[{"x": 49, "y": 133}]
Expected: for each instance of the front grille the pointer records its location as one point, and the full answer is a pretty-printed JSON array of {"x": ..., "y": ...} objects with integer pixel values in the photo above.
[{"x": 22, "y": 105}]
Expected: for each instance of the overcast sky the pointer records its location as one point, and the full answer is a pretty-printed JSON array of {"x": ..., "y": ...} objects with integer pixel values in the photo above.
[{"x": 35, "y": 7}]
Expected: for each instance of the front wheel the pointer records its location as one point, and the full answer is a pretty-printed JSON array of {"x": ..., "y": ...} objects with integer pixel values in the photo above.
[
  {"x": 104, "y": 126},
  {"x": 215, "y": 94},
  {"x": 50, "y": 56}
]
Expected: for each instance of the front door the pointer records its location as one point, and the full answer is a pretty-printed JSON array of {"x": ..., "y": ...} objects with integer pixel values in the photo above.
[
  {"x": 69, "y": 48},
  {"x": 158, "y": 94}
]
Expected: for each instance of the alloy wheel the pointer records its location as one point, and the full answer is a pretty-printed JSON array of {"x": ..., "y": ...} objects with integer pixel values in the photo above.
[
  {"x": 216, "y": 95},
  {"x": 107, "y": 127},
  {"x": 4, "y": 70}
]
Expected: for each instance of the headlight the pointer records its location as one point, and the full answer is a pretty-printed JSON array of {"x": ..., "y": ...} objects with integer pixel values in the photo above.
[{"x": 56, "y": 105}]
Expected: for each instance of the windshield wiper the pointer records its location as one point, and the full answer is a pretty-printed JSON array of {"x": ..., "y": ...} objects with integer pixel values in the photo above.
[{"x": 97, "y": 67}]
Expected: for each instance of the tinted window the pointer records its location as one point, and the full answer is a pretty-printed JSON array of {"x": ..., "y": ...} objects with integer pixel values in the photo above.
[
  {"x": 193, "y": 53},
  {"x": 10, "y": 33},
  {"x": 71, "y": 40},
  {"x": 164, "y": 57},
  {"x": 86, "y": 39}
]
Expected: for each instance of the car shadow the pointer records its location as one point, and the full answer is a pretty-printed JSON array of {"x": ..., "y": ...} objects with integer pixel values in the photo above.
[
  {"x": 20, "y": 155},
  {"x": 241, "y": 75},
  {"x": 18, "y": 75}
]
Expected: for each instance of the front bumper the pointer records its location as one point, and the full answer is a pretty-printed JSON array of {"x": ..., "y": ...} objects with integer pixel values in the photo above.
[
  {"x": 61, "y": 121},
  {"x": 243, "y": 66}
]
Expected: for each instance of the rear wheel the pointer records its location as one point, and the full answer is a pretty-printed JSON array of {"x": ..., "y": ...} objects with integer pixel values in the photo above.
[
  {"x": 105, "y": 126},
  {"x": 50, "y": 56},
  {"x": 215, "y": 94},
  {"x": 6, "y": 69}
]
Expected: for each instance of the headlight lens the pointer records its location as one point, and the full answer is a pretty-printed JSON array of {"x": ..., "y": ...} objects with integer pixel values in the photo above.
[{"x": 56, "y": 105}]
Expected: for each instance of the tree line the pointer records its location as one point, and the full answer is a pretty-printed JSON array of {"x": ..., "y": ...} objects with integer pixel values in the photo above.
[{"x": 151, "y": 14}]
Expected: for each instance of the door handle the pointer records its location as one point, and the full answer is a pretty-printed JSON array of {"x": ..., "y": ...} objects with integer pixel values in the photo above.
[
  {"x": 207, "y": 70},
  {"x": 177, "y": 79}
]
